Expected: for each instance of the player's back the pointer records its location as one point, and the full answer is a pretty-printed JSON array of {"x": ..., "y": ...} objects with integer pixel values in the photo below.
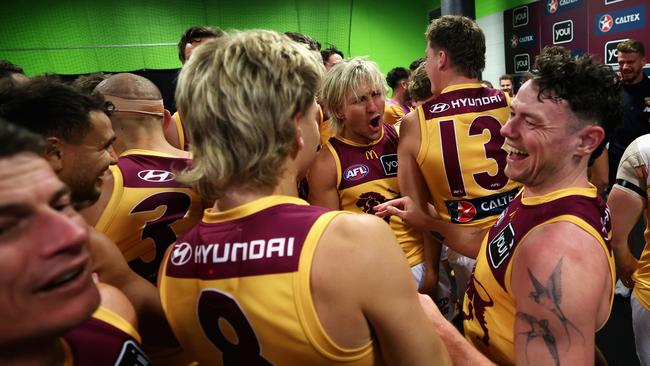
[
  {"x": 237, "y": 288},
  {"x": 461, "y": 153},
  {"x": 148, "y": 208}
]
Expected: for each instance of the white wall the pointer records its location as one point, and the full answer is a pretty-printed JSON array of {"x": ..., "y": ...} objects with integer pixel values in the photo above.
[{"x": 492, "y": 26}]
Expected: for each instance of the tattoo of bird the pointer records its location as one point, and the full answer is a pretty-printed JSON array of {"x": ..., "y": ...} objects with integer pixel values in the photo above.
[
  {"x": 550, "y": 297},
  {"x": 539, "y": 329}
]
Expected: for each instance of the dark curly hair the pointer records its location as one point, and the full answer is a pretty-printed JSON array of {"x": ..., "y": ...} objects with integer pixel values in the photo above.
[
  {"x": 395, "y": 75},
  {"x": 50, "y": 108},
  {"x": 592, "y": 90},
  {"x": 311, "y": 43},
  {"x": 195, "y": 33},
  {"x": 463, "y": 41}
]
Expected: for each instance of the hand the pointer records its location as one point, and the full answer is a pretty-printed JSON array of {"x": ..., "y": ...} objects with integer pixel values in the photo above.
[
  {"x": 408, "y": 211},
  {"x": 625, "y": 267}
]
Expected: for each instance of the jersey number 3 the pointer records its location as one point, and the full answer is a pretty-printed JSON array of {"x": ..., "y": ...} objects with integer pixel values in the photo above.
[{"x": 215, "y": 306}]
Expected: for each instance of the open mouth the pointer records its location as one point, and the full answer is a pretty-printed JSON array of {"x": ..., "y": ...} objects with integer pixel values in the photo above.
[
  {"x": 375, "y": 121},
  {"x": 62, "y": 280},
  {"x": 515, "y": 153}
]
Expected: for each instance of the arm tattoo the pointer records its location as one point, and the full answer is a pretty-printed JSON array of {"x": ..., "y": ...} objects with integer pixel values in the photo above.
[
  {"x": 539, "y": 328},
  {"x": 550, "y": 297}
]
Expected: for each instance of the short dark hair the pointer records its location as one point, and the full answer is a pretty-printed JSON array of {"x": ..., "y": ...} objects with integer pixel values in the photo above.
[
  {"x": 50, "y": 108},
  {"x": 506, "y": 77},
  {"x": 631, "y": 46},
  {"x": 395, "y": 75},
  {"x": 463, "y": 41},
  {"x": 87, "y": 83},
  {"x": 193, "y": 33},
  {"x": 592, "y": 89},
  {"x": 326, "y": 53},
  {"x": 488, "y": 83},
  {"x": 311, "y": 43},
  {"x": 417, "y": 62},
  {"x": 7, "y": 69},
  {"x": 15, "y": 140}
]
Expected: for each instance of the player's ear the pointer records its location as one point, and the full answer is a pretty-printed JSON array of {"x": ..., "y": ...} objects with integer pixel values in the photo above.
[
  {"x": 299, "y": 140},
  {"x": 54, "y": 153},
  {"x": 589, "y": 139},
  {"x": 167, "y": 118}
]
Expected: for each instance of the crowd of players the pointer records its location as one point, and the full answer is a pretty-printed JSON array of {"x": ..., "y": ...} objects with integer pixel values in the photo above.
[{"x": 267, "y": 222}]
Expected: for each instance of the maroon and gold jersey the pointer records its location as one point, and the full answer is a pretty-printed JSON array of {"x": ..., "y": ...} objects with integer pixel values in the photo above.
[
  {"x": 461, "y": 154},
  {"x": 366, "y": 175},
  {"x": 489, "y": 307},
  {"x": 393, "y": 111},
  {"x": 148, "y": 208},
  {"x": 236, "y": 288},
  {"x": 105, "y": 339}
]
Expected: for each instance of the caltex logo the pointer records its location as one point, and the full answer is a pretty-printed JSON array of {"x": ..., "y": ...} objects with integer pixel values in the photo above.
[
  {"x": 605, "y": 23},
  {"x": 552, "y": 6},
  {"x": 465, "y": 211},
  {"x": 514, "y": 41}
]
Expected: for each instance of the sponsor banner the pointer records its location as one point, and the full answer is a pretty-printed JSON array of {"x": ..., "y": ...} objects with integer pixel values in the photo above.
[
  {"x": 521, "y": 34},
  {"x": 563, "y": 32},
  {"x": 610, "y": 52},
  {"x": 521, "y": 62},
  {"x": 557, "y": 6},
  {"x": 620, "y": 20},
  {"x": 468, "y": 210},
  {"x": 520, "y": 16}
]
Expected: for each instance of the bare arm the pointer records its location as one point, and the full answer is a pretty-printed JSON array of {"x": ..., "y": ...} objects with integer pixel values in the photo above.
[
  {"x": 371, "y": 284},
  {"x": 112, "y": 269},
  {"x": 460, "y": 351},
  {"x": 625, "y": 208},
  {"x": 322, "y": 181},
  {"x": 556, "y": 314},
  {"x": 465, "y": 240}
]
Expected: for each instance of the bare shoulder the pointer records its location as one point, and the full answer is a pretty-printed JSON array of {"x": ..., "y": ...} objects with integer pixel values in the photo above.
[{"x": 114, "y": 300}]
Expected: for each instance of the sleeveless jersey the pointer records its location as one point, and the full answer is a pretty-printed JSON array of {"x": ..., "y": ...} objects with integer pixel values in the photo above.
[
  {"x": 636, "y": 155},
  {"x": 105, "y": 339},
  {"x": 394, "y": 111},
  {"x": 461, "y": 154},
  {"x": 366, "y": 175},
  {"x": 148, "y": 208},
  {"x": 182, "y": 136},
  {"x": 489, "y": 307},
  {"x": 236, "y": 288}
]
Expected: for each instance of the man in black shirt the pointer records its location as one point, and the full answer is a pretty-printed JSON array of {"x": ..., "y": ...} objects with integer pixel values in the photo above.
[{"x": 636, "y": 102}]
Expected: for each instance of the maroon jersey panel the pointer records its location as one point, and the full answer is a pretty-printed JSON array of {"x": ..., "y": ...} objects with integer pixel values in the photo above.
[
  {"x": 149, "y": 171},
  {"x": 266, "y": 242},
  {"x": 361, "y": 164},
  {"x": 467, "y": 100},
  {"x": 97, "y": 343},
  {"x": 518, "y": 219}
]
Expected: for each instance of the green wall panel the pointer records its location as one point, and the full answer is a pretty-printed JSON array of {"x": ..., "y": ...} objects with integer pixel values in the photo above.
[{"x": 79, "y": 36}]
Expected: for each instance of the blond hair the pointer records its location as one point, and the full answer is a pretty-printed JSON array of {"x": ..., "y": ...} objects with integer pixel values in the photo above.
[
  {"x": 346, "y": 79},
  {"x": 238, "y": 96},
  {"x": 419, "y": 85}
]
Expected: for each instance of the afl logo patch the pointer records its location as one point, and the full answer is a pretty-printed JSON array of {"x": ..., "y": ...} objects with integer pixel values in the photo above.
[
  {"x": 181, "y": 254},
  {"x": 156, "y": 176},
  {"x": 355, "y": 172}
]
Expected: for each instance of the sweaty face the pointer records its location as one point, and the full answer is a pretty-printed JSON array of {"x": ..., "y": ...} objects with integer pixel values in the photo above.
[
  {"x": 362, "y": 114},
  {"x": 86, "y": 162},
  {"x": 540, "y": 147},
  {"x": 630, "y": 65},
  {"x": 45, "y": 282}
]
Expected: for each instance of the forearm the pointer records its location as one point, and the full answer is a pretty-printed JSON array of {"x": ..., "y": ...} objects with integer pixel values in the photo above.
[
  {"x": 459, "y": 349},
  {"x": 462, "y": 239}
]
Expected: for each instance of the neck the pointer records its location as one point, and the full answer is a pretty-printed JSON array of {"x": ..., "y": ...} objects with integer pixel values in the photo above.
[
  {"x": 144, "y": 137},
  {"x": 576, "y": 177},
  {"x": 453, "y": 78},
  {"x": 237, "y": 196},
  {"x": 38, "y": 353},
  {"x": 400, "y": 97}
]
